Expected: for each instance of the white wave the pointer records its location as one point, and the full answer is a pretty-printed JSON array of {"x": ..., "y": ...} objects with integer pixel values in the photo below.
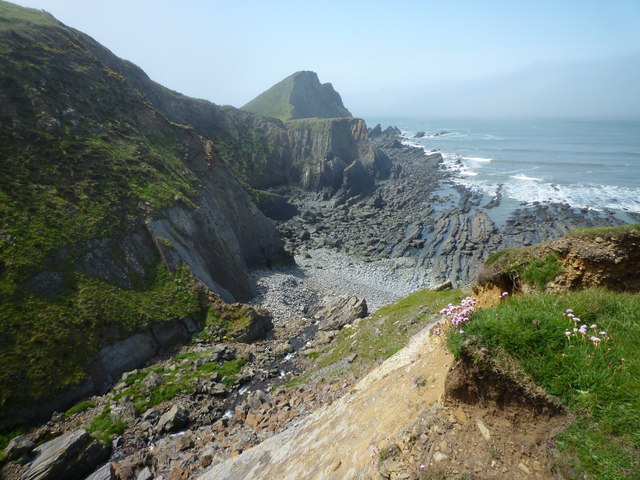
[
  {"x": 525, "y": 178},
  {"x": 478, "y": 159}
]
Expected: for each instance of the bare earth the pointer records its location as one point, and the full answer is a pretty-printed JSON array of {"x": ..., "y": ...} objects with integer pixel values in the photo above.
[{"x": 396, "y": 423}]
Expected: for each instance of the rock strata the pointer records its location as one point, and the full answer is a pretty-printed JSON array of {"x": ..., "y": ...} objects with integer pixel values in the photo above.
[
  {"x": 71, "y": 456},
  {"x": 336, "y": 313}
]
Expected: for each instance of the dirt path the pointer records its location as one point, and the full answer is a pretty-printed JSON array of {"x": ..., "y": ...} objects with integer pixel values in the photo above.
[{"x": 341, "y": 440}]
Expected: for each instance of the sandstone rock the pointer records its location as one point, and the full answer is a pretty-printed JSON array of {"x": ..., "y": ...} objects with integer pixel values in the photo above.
[
  {"x": 125, "y": 411},
  {"x": 483, "y": 429},
  {"x": 338, "y": 312},
  {"x": 153, "y": 379},
  {"x": 145, "y": 474},
  {"x": 18, "y": 447},
  {"x": 439, "y": 457},
  {"x": 70, "y": 456},
  {"x": 443, "y": 286},
  {"x": 256, "y": 399},
  {"x": 151, "y": 415},
  {"x": 523, "y": 468},
  {"x": 174, "y": 419},
  {"x": 220, "y": 353},
  {"x": 106, "y": 472}
]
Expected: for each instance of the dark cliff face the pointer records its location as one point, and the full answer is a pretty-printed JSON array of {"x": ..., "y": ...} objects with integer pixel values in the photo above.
[
  {"x": 309, "y": 98},
  {"x": 111, "y": 215}
]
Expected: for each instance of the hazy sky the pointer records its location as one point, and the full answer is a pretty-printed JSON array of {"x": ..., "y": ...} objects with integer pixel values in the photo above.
[{"x": 230, "y": 51}]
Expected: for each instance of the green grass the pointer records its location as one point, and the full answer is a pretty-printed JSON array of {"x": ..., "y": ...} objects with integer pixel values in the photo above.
[
  {"x": 297, "y": 381},
  {"x": 604, "y": 232},
  {"x": 181, "y": 380},
  {"x": 85, "y": 158},
  {"x": 600, "y": 385},
  {"x": 46, "y": 342},
  {"x": 274, "y": 102},
  {"x": 387, "y": 331},
  {"x": 79, "y": 407},
  {"x": 103, "y": 427},
  {"x": 541, "y": 271},
  {"x": 11, "y": 14}
]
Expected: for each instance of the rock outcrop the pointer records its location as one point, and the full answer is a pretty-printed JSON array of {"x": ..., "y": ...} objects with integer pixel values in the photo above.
[
  {"x": 336, "y": 313},
  {"x": 72, "y": 456},
  {"x": 607, "y": 257}
]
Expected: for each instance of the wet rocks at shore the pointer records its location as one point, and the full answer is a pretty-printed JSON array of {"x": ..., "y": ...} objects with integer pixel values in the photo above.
[{"x": 421, "y": 216}]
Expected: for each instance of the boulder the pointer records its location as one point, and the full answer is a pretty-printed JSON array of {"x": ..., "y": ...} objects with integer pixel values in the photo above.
[
  {"x": 153, "y": 379},
  {"x": 221, "y": 353},
  {"x": 356, "y": 179},
  {"x": 335, "y": 314},
  {"x": 105, "y": 472},
  {"x": 244, "y": 323},
  {"x": 174, "y": 419},
  {"x": 125, "y": 411},
  {"x": 71, "y": 456},
  {"x": 145, "y": 474},
  {"x": 18, "y": 447}
]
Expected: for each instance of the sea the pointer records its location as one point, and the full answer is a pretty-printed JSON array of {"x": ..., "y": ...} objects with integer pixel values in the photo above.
[{"x": 586, "y": 164}]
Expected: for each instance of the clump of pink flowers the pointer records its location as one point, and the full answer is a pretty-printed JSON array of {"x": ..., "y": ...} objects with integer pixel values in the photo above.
[
  {"x": 456, "y": 315},
  {"x": 581, "y": 331}
]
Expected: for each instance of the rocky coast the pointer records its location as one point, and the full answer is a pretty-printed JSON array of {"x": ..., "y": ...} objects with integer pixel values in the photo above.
[{"x": 353, "y": 255}]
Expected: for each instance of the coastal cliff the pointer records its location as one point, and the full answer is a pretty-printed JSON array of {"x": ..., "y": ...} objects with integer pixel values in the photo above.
[{"x": 114, "y": 218}]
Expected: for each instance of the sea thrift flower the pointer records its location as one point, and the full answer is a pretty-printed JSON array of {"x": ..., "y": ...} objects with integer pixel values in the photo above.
[
  {"x": 596, "y": 341},
  {"x": 568, "y": 333},
  {"x": 569, "y": 311},
  {"x": 593, "y": 327},
  {"x": 583, "y": 329},
  {"x": 602, "y": 334}
]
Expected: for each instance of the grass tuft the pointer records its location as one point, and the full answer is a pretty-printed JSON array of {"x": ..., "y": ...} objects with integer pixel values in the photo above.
[{"x": 598, "y": 383}]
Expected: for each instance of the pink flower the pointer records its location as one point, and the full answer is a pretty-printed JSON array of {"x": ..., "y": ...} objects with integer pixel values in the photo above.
[
  {"x": 569, "y": 311},
  {"x": 568, "y": 333},
  {"x": 593, "y": 327},
  {"x": 595, "y": 340}
]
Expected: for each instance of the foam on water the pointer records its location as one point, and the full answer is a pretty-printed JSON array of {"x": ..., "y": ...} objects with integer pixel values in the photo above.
[{"x": 572, "y": 166}]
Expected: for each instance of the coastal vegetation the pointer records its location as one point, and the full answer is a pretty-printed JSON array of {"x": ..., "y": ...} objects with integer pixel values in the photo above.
[
  {"x": 581, "y": 347},
  {"x": 377, "y": 338}
]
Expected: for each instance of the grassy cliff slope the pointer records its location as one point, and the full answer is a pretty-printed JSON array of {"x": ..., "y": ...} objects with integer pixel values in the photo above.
[
  {"x": 300, "y": 95},
  {"x": 87, "y": 164}
]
